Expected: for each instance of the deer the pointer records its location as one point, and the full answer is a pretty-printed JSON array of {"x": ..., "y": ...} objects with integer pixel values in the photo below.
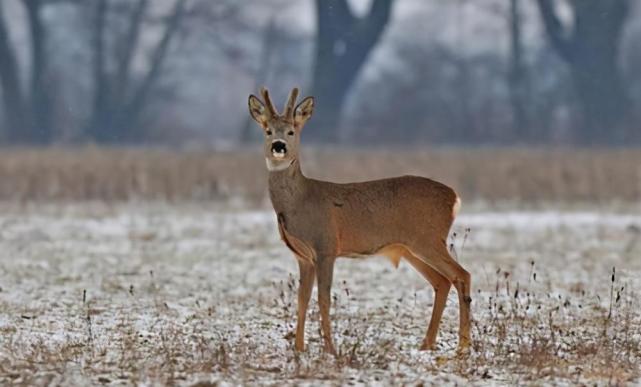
[{"x": 407, "y": 217}]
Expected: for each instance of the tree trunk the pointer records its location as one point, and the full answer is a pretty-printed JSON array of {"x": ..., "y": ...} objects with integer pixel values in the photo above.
[
  {"x": 42, "y": 126},
  {"x": 116, "y": 108},
  {"x": 249, "y": 132},
  {"x": 127, "y": 49},
  {"x": 100, "y": 125},
  {"x": 591, "y": 50},
  {"x": 518, "y": 77},
  {"x": 603, "y": 100},
  {"x": 130, "y": 113},
  {"x": 343, "y": 43},
  {"x": 16, "y": 122}
]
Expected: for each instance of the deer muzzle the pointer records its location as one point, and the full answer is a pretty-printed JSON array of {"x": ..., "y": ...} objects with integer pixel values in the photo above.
[{"x": 279, "y": 149}]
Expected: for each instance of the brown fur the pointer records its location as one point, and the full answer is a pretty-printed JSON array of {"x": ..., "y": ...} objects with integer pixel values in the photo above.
[{"x": 403, "y": 217}]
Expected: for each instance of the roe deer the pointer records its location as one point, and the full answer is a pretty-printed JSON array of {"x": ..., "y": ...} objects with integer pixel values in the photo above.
[{"x": 403, "y": 217}]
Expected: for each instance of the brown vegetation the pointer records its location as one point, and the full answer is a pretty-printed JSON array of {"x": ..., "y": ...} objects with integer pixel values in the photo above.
[{"x": 491, "y": 174}]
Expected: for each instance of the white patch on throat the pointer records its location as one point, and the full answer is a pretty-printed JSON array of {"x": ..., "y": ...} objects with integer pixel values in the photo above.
[{"x": 276, "y": 167}]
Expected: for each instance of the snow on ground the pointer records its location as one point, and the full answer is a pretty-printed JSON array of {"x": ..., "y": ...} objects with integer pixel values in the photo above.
[{"x": 163, "y": 294}]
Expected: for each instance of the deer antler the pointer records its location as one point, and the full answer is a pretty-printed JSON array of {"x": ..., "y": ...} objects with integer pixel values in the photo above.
[
  {"x": 291, "y": 103},
  {"x": 268, "y": 102}
]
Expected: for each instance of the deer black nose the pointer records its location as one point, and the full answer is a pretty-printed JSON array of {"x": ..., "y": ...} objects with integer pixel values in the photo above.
[{"x": 279, "y": 147}]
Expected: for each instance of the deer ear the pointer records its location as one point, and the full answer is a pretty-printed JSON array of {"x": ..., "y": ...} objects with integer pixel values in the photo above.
[
  {"x": 257, "y": 110},
  {"x": 303, "y": 111}
]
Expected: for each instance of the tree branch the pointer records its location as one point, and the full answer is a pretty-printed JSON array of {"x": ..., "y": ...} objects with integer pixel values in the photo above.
[
  {"x": 620, "y": 10},
  {"x": 334, "y": 17},
  {"x": 101, "y": 92},
  {"x": 12, "y": 95},
  {"x": 370, "y": 28},
  {"x": 129, "y": 45},
  {"x": 41, "y": 109},
  {"x": 342, "y": 13},
  {"x": 157, "y": 60},
  {"x": 555, "y": 31}
]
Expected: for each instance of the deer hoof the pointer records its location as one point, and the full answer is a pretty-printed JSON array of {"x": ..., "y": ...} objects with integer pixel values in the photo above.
[
  {"x": 463, "y": 347},
  {"x": 330, "y": 349},
  {"x": 427, "y": 346}
]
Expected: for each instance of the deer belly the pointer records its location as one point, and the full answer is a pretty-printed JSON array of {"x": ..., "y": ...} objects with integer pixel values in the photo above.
[{"x": 393, "y": 252}]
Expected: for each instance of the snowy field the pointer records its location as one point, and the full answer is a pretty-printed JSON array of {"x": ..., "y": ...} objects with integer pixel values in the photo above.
[{"x": 185, "y": 294}]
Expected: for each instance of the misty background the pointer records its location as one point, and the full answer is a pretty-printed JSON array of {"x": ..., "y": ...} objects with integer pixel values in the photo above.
[{"x": 178, "y": 72}]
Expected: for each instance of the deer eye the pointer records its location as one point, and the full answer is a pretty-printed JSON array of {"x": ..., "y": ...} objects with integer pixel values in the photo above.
[
  {"x": 290, "y": 133},
  {"x": 269, "y": 132}
]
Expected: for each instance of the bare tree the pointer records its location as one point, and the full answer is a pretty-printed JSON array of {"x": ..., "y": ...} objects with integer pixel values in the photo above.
[
  {"x": 518, "y": 75},
  {"x": 343, "y": 43},
  {"x": 261, "y": 75},
  {"x": 42, "y": 131},
  {"x": 119, "y": 98},
  {"x": 13, "y": 99},
  {"x": 590, "y": 47},
  {"x": 28, "y": 113}
]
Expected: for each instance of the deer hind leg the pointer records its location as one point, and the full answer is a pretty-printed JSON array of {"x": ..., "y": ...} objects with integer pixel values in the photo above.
[
  {"x": 324, "y": 276},
  {"x": 437, "y": 256},
  {"x": 441, "y": 287},
  {"x": 306, "y": 284}
]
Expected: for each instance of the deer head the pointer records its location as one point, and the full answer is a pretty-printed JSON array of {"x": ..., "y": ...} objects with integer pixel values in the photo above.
[{"x": 282, "y": 132}]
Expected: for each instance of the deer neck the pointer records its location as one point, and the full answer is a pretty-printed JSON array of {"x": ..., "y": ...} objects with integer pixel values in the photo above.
[{"x": 287, "y": 187}]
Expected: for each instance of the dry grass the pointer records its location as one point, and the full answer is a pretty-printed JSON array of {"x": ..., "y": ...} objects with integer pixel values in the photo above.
[
  {"x": 150, "y": 293},
  {"x": 162, "y": 295},
  {"x": 490, "y": 174}
]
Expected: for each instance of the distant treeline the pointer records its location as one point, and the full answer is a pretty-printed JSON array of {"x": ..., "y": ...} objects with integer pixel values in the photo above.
[{"x": 175, "y": 71}]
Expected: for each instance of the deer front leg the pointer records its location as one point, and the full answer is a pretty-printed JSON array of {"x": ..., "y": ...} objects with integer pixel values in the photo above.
[
  {"x": 306, "y": 284},
  {"x": 324, "y": 276}
]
